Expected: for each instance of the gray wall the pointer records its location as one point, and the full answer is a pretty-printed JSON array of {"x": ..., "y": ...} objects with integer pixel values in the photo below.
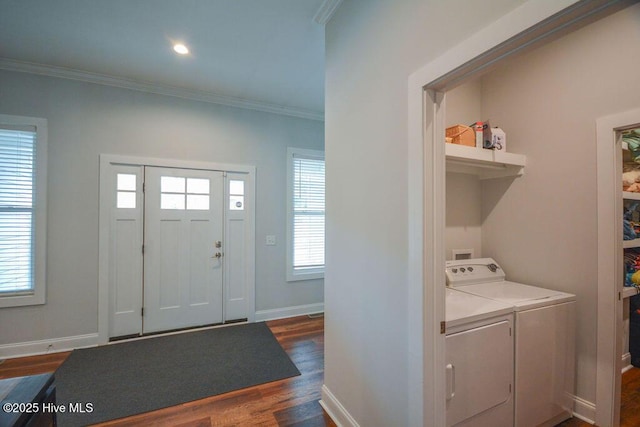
[{"x": 86, "y": 120}]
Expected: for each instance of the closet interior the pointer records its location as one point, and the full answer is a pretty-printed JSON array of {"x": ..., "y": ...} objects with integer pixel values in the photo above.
[{"x": 630, "y": 143}]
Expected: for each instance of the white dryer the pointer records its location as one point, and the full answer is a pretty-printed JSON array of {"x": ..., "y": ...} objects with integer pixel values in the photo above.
[
  {"x": 544, "y": 339},
  {"x": 479, "y": 354}
]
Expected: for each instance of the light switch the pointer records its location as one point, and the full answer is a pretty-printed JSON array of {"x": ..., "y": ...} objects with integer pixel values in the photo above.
[{"x": 271, "y": 240}]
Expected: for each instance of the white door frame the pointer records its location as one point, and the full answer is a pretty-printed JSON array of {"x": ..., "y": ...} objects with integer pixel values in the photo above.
[
  {"x": 106, "y": 160},
  {"x": 529, "y": 25},
  {"x": 610, "y": 330}
]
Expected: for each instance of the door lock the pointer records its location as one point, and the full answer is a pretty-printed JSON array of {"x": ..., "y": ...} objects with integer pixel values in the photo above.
[{"x": 218, "y": 244}]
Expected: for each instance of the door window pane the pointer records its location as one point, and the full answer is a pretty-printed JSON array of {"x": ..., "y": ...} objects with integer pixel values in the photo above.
[
  {"x": 126, "y": 182},
  {"x": 197, "y": 186},
  {"x": 172, "y": 184},
  {"x": 184, "y": 193},
  {"x": 126, "y": 191},
  {"x": 126, "y": 200},
  {"x": 236, "y": 195},
  {"x": 198, "y": 202},
  {"x": 236, "y": 187},
  {"x": 171, "y": 201},
  {"x": 236, "y": 203}
]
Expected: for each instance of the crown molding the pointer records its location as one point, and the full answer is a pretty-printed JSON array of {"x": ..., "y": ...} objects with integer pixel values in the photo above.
[
  {"x": 326, "y": 11},
  {"x": 101, "y": 79}
]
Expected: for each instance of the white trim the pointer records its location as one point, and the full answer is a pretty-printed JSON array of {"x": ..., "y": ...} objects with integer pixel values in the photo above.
[
  {"x": 55, "y": 345},
  {"x": 584, "y": 410},
  {"x": 106, "y": 160},
  {"x": 426, "y": 223},
  {"x": 326, "y": 11},
  {"x": 415, "y": 265},
  {"x": 527, "y": 25},
  {"x": 335, "y": 410},
  {"x": 285, "y": 312},
  {"x": 177, "y": 163},
  {"x": 626, "y": 363},
  {"x": 610, "y": 279},
  {"x": 38, "y": 296},
  {"x": 101, "y": 79},
  {"x": 532, "y": 23}
]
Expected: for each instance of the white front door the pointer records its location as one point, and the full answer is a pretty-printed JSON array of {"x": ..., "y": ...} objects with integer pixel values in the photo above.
[{"x": 183, "y": 232}]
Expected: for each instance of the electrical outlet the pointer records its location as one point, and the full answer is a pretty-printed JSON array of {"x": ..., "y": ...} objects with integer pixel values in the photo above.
[{"x": 270, "y": 240}]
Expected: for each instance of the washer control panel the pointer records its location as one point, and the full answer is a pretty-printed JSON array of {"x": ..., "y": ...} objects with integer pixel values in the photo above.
[{"x": 472, "y": 271}]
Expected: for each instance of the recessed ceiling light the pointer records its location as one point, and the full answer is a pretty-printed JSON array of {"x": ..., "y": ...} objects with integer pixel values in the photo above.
[{"x": 180, "y": 48}]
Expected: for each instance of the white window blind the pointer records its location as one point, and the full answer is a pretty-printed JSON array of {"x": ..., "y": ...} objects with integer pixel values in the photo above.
[
  {"x": 308, "y": 213},
  {"x": 17, "y": 147}
]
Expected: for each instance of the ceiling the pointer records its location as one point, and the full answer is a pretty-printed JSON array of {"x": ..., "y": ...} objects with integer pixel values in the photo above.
[{"x": 263, "y": 54}]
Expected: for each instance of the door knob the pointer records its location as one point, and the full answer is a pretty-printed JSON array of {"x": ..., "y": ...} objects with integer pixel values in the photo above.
[{"x": 217, "y": 255}]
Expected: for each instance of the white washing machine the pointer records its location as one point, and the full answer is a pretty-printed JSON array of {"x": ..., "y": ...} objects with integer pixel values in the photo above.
[
  {"x": 479, "y": 354},
  {"x": 544, "y": 339}
]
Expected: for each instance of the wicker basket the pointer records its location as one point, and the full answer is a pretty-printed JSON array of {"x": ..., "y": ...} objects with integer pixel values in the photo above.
[{"x": 460, "y": 134}]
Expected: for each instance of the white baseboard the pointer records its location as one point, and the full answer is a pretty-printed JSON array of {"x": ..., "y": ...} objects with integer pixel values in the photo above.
[
  {"x": 584, "y": 410},
  {"x": 335, "y": 410},
  {"x": 55, "y": 345},
  {"x": 626, "y": 362},
  {"x": 281, "y": 313}
]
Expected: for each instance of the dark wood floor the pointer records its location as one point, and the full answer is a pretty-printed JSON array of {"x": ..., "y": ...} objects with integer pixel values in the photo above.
[
  {"x": 290, "y": 402},
  {"x": 630, "y": 399},
  {"x": 630, "y": 402}
]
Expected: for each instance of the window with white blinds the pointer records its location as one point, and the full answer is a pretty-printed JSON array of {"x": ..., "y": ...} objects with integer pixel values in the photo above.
[
  {"x": 18, "y": 144},
  {"x": 306, "y": 214},
  {"x": 16, "y": 210}
]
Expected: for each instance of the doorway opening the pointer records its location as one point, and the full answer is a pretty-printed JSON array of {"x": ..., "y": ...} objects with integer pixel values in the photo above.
[
  {"x": 611, "y": 297},
  {"x": 427, "y": 89}
]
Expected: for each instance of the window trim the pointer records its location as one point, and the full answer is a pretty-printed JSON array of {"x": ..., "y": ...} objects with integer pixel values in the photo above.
[
  {"x": 38, "y": 296},
  {"x": 292, "y": 275}
]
